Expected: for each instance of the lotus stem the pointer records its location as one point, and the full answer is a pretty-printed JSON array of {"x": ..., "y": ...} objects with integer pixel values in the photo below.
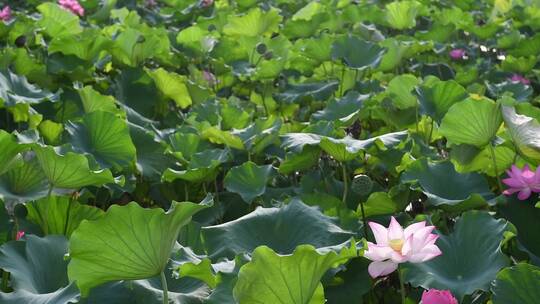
[
  {"x": 164, "y": 287},
  {"x": 67, "y": 215},
  {"x": 494, "y": 159},
  {"x": 345, "y": 185},
  {"x": 46, "y": 217},
  {"x": 401, "y": 285},
  {"x": 364, "y": 219}
]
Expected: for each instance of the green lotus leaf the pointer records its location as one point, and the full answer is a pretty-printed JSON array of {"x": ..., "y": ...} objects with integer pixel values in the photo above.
[
  {"x": 93, "y": 101},
  {"x": 295, "y": 278},
  {"x": 292, "y": 225},
  {"x": 437, "y": 98},
  {"x": 357, "y": 53},
  {"x": 15, "y": 89},
  {"x": 151, "y": 158},
  {"x": 382, "y": 203},
  {"x": 9, "y": 149},
  {"x": 468, "y": 158},
  {"x": 343, "y": 110},
  {"x": 64, "y": 215},
  {"x": 173, "y": 86},
  {"x": 70, "y": 171},
  {"x": 524, "y": 132},
  {"x": 517, "y": 90},
  {"x": 118, "y": 245},
  {"x": 356, "y": 282},
  {"x": 447, "y": 188},
  {"x": 106, "y": 137},
  {"x": 253, "y": 24},
  {"x": 51, "y": 131},
  {"x": 517, "y": 285},
  {"x": 402, "y": 14},
  {"x": 24, "y": 181},
  {"x": 526, "y": 218},
  {"x": 85, "y": 46},
  {"x": 473, "y": 122},
  {"x": 471, "y": 257},
  {"x": 58, "y": 22},
  {"x": 248, "y": 180},
  {"x": 260, "y": 134},
  {"x": 299, "y": 161},
  {"x": 203, "y": 167},
  {"x": 519, "y": 64},
  {"x": 347, "y": 148},
  {"x": 38, "y": 271},
  {"x": 297, "y": 92},
  {"x": 5, "y": 225},
  {"x": 399, "y": 90}
]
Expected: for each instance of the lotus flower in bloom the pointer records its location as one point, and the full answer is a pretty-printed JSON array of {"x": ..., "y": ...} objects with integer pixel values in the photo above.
[
  {"x": 519, "y": 78},
  {"x": 73, "y": 6},
  {"x": 434, "y": 296},
  {"x": 5, "y": 14},
  {"x": 206, "y": 3},
  {"x": 523, "y": 181},
  {"x": 414, "y": 244},
  {"x": 457, "y": 54},
  {"x": 19, "y": 235}
]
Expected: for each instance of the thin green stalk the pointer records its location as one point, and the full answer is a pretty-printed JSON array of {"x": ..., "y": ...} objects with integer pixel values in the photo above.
[
  {"x": 164, "y": 286},
  {"x": 430, "y": 132},
  {"x": 67, "y": 215},
  {"x": 416, "y": 116},
  {"x": 364, "y": 219},
  {"x": 46, "y": 217},
  {"x": 264, "y": 100},
  {"x": 401, "y": 286},
  {"x": 345, "y": 184},
  {"x": 186, "y": 192},
  {"x": 494, "y": 159},
  {"x": 342, "y": 82}
]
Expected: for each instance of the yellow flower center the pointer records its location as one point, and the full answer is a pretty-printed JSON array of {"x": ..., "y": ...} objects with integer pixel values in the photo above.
[{"x": 396, "y": 244}]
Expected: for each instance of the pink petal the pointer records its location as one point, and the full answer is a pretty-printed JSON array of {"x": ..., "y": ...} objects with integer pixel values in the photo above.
[
  {"x": 377, "y": 252},
  {"x": 427, "y": 253},
  {"x": 524, "y": 194},
  {"x": 380, "y": 233},
  {"x": 513, "y": 182},
  {"x": 510, "y": 191},
  {"x": 413, "y": 228},
  {"x": 395, "y": 231},
  {"x": 377, "y": 269}
]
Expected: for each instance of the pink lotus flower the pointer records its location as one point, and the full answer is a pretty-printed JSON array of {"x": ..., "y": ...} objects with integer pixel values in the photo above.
[
  {"x": 19, "y": 235},
  {"x": 5, "y": 13},
  {"x": 457, "y": 54},
  {"x": 415, "y": 244},
  {"x": 209, "y": 78},
  {"x": 151, "y": 3},
  {"x": 434, "y": 296},
  {"x": 523, "y": 181},
  {"x": 72, "y": 6},
  {"x": 519, "y": 78}
]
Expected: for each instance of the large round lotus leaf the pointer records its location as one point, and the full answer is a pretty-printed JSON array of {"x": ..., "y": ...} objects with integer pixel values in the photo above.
[
  {"x": 343, "y": 110},
  {"x": 473, "y": 122},
  {"x": 260, "y": 134},
  {"x": 64, "y": 215},
  {"x": 151, "y": 157},
  {"x": 106, "y": 137},
  {"x": 399, "y": 90},
  {"x": 92, "y": 101},
  {"x": 248, "y": 180},
  {"x": 25, "y": 181},
  {"x": 203, "y": 167},
  {"x": 357, "y": 53},
  {"x": 291, "y": 225},
  {"x": 173, "y": 86},
  {"x": 253, "y": 24},
  {"x": 119, "y": 245},
  {"x": 9, "y": 148},
  {"x": 295, "y": 278},
  {"x": 316, "y": 90},
  {"x": 437, "y": 98},
  {"x": 517, "y": 285},
  {"x": 447, "y": 188},
  {"x": 58, "y": 22},
  {"x": 38, "y": 271},
  {"x": 299, "y": 161},
  {"x": 402, "y": 14},
  {"x": 355, "y": 281},
  {"x": 70, "y": 171},
  {"x": 524, "y": 131},
  {"x": 526, "y": 218},
  {"x": 471, "y": 257},
  {"x": 15, "y": 89}
]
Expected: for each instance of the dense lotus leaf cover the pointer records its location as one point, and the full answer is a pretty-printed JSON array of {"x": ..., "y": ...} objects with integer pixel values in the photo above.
[{"x": 269, "y": 151}]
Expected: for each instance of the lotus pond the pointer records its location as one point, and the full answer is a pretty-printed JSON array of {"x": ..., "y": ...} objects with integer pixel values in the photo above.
[{"x": 269, "y": 152}]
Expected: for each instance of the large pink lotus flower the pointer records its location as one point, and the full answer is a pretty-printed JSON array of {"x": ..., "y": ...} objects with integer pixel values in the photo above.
[
  {"x": 415, "y": 244},
  {"x": 434, "y": 296},
  {"x": 523, "y": 181},
  {"x": 457, "y": 54},
  {"x": 5, "y": 13},
  {"x": 73, "y": 6},
  {"x": 19, "y": 235},
  {"x": 519, "y": 78}
]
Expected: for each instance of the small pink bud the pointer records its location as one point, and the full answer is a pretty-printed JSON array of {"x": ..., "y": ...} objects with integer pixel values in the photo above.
[
  {"x": 19, "y": 235},
  {"x": 457, "y": 54},
  {"x": 72, "y": 6},
  {"x": 210, "y": 78},
  {"x": 5, "y": 13},
  {"x": 519, "y": 78},
  {"x": 434, "y": 296},
  {"x": 206, "y": 3}
]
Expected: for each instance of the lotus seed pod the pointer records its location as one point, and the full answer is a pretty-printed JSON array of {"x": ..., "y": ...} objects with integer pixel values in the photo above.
[
  {"x": 362, "y": 184},
  {"x": 268, "y": 55},
  {"x": 261, "y": 48}
]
